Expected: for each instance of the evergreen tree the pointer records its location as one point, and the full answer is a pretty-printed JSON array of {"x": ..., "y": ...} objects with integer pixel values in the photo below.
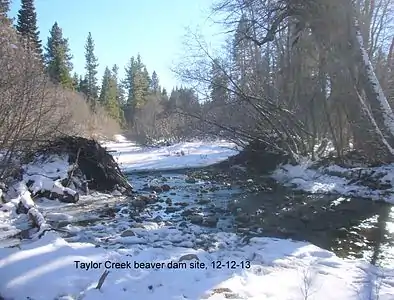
[
  {"x": 183, "y": 98},
  {"x": 120, "y": 92},
  {"x": 105, "y": 85},
  {"x": 58, "y": 57},
  {"x": 75, "y": 80},
  {"x": 91, "y": 71},
  {"x": 141, "y": 87},
  {"x": 155, "y": 87},
  {"x": 147, "y": 79},
  {"x": 4, "y": 10},
  {"x": 246, "y": 55},
  {"x": 111, "y": 103},
  {"x": 83, "y": 86},
  {"x": 136, "y": 83},
  {"x": 219, "y": 84},
  {"x": 108, "y": 95},
  {"x": 27, "y": 25},
  {"x": 164, "y": 92},
  {"x": 128, "y": 82}
]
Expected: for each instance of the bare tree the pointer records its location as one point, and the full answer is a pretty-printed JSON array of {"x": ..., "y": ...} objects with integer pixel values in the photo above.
[
  {"x": 32, "y": 109},
  {"x": 308, "y": 71}
]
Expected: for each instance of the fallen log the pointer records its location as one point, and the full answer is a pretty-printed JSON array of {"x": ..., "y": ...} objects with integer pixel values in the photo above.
[
  {"x": 38, "y": 221},
  {"x": 52, "y": 190},
  {"x": 26, "y": 205}
]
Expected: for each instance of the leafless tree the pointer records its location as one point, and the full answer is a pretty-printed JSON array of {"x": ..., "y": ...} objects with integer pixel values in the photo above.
[
  {"x": 32, "y": 109},
  {"x": 308, "y": 71}
]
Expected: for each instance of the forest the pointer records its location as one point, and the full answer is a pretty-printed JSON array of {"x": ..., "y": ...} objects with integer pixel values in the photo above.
[
  {"x": 297, "y": 76},
  {"x": 273, "y": 160}
]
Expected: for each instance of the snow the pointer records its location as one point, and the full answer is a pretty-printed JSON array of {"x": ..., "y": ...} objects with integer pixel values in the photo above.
[
  {"x": 303, "y": 177},
  {"x": 25, "y": 196},
  {"x": 120, "y": 138},
  {"x": 53, "y": 268},
  {"x": 279, "y": 269},
  {"x": 46, "y": 174},
  {"x": 131, "y": 157}
]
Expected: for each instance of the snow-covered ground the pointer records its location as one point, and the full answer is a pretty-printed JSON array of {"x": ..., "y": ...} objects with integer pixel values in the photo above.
[
  {"x": 262, "y": 268},
  {"x": 333, "y": 179},
  {"x": 266, "y": 268},
  {"x": 131, "y": 157}
]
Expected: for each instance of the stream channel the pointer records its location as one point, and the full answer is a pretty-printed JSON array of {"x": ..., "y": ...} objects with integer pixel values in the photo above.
[{"x": 207, "y": 201}]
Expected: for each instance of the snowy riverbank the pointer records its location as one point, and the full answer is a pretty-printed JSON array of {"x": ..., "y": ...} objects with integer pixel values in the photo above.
[
  {"x": 262, "y": 268},
  {"x": 132, "y": 157},
  {"x": 376, "y": 183},
  {"x": 279, "y": 269}
]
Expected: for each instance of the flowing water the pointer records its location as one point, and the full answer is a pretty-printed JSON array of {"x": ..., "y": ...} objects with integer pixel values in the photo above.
[{"x": 352, "y": 228}]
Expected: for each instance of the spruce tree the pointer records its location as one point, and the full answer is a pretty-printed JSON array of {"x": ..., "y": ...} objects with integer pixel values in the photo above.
[
  {"x": 140, "y": 87},
  {"x": 4, "y": 10},
  {"x": 111, "y": 103},
  {"x": 164, "y": 93},
  {"x": 154, "y": 85},
  {"x": 219, "y": 84},
  {"x": 83, "y": 86},
  {"x": 108, "y": 95},
  {"x": 27, "y": 25},
  {"x": 91, "y": 71},
  {"x": 136, "y": 83},
  {"x": 128, "y": 83},
  {"x": 58, "y": 58},
  {"x": 75, "y": 80},
  {"x": 105, "y": 85},
  {"x": 119, "y": 87}
]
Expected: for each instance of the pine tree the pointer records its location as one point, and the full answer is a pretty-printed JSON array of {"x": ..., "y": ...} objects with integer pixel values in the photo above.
[
  {"x": 219, "y": 84},
  {"x": 128, "y": 82},
  {"x": 141, "y": 87},
  {"x": 4, "y": 10},
  {"x": 111, "y": 103},
  {"x": 58, "y": 58},
  {"x": 105, "y": 85},
  {"x": 154, "y": 85},
  {"x": 91, "y": 71},
  {"x": 147, "y": 78},
  {"x": 120, "y": 92},
  {"x": 137, "y": 84},
  {"x": 108, "y": 95},
  {"x": 164, "y": 93},
  {"x": 246, "y": 55},
  {"x": 83, "y": 86},
  {"x": 27, "y": 25},
  {"x": 75, "y": 80}
]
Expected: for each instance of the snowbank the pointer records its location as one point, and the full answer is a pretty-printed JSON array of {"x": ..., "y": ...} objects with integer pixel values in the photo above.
[
  {"x": 264, "y": 268},
  {"x": 302, "y": 177},
  {"x": 279, "y": 269},
  {"x": 179, "y": 156}
]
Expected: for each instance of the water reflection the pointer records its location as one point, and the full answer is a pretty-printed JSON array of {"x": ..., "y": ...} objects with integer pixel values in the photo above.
[{"x": 351, "y": 227}]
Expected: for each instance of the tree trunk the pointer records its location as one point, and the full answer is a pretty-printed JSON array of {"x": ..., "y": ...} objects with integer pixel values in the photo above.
[{"x": 380, "y": 109}]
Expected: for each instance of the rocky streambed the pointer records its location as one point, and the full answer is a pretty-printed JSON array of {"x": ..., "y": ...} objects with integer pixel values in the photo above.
[{"x": 190, "y": 208}]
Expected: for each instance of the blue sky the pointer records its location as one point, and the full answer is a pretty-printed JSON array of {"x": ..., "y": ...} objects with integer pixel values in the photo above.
[{"x": 124, "y": 28}]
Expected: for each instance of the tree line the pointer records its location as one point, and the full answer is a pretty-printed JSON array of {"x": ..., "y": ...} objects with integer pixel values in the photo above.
[
  {"x": 37, "y": 102},
  {"x": 299, "y": 76},
  {"x": 121, "y": 98},
  {"x": 311, "y": 73}
]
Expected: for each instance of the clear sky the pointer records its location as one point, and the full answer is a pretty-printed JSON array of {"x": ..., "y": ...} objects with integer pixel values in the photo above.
[{"x": 124, "y": 28}]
